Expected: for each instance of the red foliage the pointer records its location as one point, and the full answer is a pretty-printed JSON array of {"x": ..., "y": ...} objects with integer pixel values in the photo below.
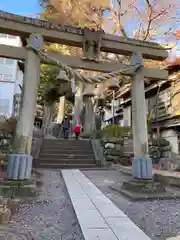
[
  {"x": 178, "y": 34},
  {"x": 175, "y": 62}
]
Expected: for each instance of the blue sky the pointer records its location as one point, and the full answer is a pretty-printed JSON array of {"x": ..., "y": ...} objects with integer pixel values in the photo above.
[{"x": 20, "y": 7}]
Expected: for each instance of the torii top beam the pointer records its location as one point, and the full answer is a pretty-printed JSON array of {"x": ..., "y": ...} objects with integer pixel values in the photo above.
[{"x": 68, "y": 35}]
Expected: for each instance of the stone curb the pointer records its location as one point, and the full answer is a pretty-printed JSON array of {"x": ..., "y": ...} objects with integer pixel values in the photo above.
[
  {"x": 168, "y": 178},
  {"x": 174, "y": 238},
  {"x": 123, "y": 169}
]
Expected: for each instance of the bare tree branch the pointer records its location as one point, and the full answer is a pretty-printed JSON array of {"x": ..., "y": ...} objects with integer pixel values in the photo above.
[{"x": 151, "y": 19}]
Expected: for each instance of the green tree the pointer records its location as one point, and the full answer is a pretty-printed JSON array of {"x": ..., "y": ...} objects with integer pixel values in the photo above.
[{"x": 48, "y": 75}]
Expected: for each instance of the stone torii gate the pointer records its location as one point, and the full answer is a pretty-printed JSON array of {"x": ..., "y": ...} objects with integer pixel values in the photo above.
[{"x": 92, "y": 43}]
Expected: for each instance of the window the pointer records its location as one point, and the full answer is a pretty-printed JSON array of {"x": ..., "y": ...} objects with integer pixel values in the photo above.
[
  {"x": 9, "y": 61},
  {"x": 8, "y": 77},
  {"x": 4, "y": 106},
  {"x": 1, "y": 77},
  {"x": 6, "y": 69},
  {"x": 1, "y": 60},
  {"x": 12, "y": 37}
]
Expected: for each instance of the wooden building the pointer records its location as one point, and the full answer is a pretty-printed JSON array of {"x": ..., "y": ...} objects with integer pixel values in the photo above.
[{"x": 163, "y": 106}]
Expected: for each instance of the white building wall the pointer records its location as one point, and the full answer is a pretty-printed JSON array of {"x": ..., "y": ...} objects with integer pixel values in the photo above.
[
  {"x": 8, "y": 77},
  {"x": 127, "y": 116},
  {"x": 107, "y": 114},
  {"x": 171, "y": 136}
]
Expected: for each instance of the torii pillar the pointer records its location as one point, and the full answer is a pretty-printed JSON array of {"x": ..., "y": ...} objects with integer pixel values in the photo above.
[
  {"x": 20, "y": 162},
  {"x": 142, "y": 164}
]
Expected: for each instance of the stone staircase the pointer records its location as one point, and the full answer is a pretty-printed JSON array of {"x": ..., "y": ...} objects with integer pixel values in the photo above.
[{"x": 66, "y": 154}]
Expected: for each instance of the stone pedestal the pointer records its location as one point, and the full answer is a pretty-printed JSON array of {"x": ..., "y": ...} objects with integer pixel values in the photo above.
[
  {"x": 143, "y": 187},
  {"x": 138, "y": 190}
]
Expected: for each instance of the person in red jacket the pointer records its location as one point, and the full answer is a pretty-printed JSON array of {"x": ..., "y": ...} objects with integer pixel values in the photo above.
[{"x": 77, "y": 130}]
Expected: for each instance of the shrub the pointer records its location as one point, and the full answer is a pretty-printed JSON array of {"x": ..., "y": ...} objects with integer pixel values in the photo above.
[{"x": 114, "y": 131}]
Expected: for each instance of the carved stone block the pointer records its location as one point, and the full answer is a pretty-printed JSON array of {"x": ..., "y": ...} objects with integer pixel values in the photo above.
[{"x": 92, "y": 44}]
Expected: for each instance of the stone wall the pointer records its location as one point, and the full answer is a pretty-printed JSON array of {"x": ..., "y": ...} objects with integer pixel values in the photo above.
[{"x": 114, "y": 151}]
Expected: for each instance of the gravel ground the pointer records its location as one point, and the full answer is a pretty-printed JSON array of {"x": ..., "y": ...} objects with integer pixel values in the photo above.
[
  {"x": 49, "y": 217},
  {"x": 159, "y": 219}
]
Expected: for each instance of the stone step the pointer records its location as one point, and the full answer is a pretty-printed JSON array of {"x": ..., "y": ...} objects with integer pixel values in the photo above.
[
  {"x": 67, "y": 148},
  {"x": 65, "y": 140},
  {"x": 64, "y": 166},
  {"x": 71, "y": 142},
  {"x": 67, "y": 144},
  {"x": 66, "y": 151},
  {"x": 68, "y": 155},
  {"x": 67, "y": 161}
]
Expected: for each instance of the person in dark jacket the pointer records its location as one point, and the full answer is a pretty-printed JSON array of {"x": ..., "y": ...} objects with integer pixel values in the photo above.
[{"x": 66, "y": 126}]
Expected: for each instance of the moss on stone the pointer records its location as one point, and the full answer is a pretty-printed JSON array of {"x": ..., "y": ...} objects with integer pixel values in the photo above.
[{"x": 16, "y": 182}]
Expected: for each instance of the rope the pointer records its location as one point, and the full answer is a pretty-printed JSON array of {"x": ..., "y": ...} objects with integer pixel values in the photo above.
[{"x": 84, "y": 78}]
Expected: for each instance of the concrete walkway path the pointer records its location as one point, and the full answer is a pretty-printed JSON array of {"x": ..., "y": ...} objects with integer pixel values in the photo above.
[{"x": 98, "y": 216}]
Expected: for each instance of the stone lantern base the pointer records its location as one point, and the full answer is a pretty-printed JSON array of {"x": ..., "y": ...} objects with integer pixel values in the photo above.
[{"x": 138, "y": 190}]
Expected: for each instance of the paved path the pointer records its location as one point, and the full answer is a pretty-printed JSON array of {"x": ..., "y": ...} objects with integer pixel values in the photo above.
[
  {"x": 159, "y": 219},
  {"x": 49, "y": 217},
  {"x": 98, "y": 216}
]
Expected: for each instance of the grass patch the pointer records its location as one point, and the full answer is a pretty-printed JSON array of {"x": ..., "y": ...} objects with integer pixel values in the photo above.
[
  {"x": 16, "y": 182},
  {"x": 143, "y": 181}
]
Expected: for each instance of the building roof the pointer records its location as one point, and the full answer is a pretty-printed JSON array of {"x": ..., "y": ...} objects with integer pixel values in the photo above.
[{"x": 172, "y": 67}]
